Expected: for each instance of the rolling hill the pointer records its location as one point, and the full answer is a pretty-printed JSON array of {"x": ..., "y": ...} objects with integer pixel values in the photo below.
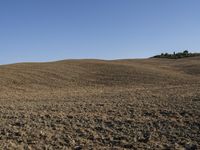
[{"x": 132, "y": 104}]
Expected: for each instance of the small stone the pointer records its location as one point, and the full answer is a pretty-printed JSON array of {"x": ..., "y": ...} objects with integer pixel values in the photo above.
[
  {"x": 190, "y": 146},
  {"x": 144, "y": 137},
  {"x": 79, "y": 147},
  {"x": 129, "y": 146}
]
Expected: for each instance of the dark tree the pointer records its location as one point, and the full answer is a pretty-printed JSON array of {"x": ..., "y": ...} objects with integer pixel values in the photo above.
[{"x": 175, "y": 55}]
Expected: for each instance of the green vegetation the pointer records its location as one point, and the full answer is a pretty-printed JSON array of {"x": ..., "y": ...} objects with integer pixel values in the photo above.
[{"x": 178, "y": 55}]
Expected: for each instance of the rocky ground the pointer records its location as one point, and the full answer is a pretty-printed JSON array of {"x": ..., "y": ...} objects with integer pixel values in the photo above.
[{"x": 140, "y": 114}]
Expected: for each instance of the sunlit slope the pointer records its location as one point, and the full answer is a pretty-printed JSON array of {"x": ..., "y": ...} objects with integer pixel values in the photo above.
[{"x": 81, "y": 73}]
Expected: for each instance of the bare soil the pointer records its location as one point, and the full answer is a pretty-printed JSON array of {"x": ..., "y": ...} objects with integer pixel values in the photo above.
[{"x": 96, "y": 104}]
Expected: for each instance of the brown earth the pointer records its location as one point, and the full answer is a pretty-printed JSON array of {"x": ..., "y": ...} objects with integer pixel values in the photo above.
[{"x": 96, "y": 104}]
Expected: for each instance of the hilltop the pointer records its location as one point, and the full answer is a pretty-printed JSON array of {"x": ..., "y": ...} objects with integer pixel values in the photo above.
[{"x": 178, "y": 55}]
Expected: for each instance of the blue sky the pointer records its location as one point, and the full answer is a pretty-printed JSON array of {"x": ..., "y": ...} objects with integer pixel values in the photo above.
[{"x": 46, "y": 30}]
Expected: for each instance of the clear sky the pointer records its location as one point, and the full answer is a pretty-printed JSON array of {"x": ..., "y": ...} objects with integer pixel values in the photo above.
[{"x": 45, "y": 30}]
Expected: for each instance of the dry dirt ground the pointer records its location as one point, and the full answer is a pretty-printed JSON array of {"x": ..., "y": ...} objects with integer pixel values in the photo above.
[{"x": 96, "y": 104}]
